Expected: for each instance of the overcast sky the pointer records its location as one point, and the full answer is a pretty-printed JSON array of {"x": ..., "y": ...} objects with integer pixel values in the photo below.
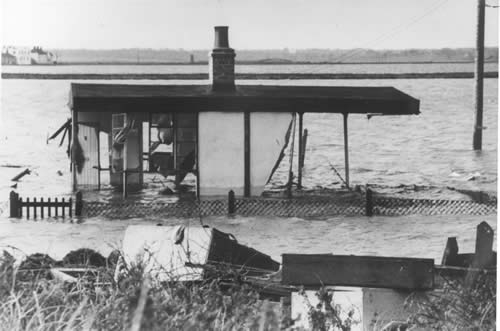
[{"x": 254, "y": 24}]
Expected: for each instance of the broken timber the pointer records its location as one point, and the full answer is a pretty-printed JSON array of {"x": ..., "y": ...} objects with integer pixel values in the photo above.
[{"x": 360, "y": 271}]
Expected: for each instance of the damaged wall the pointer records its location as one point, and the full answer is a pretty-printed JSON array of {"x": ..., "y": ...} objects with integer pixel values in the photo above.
[
  {"x": 222, "y": 153},
  {"x": 267, "y": 134}
]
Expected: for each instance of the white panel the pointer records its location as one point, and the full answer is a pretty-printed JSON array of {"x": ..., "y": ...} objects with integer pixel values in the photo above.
[
  {"x": 88, "y": 140},
  {"x": 221, "y": 153},
  {"x": 267, "y": 134}
]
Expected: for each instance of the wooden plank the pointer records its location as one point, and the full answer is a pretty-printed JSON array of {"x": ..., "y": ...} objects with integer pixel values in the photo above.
[
  {"x": 247, "y": 154},
  {"x": 360, "y": 271}
]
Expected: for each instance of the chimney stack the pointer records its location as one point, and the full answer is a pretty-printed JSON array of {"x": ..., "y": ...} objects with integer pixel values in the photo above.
[{"x": 222, "y": 61}]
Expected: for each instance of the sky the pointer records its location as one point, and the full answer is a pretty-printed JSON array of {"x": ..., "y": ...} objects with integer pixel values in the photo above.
[{"x": 253, "y": 24}]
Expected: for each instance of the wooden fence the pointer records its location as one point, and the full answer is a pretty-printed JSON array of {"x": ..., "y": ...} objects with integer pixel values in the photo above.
[{"x": 41, "y": 208}]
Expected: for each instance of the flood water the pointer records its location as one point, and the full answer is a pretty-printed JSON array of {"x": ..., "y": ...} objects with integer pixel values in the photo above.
[{"x": 431, "y": 152}]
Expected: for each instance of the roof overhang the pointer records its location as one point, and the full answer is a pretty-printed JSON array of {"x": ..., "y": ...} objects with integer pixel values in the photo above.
[{"x": 254, "y": 98}]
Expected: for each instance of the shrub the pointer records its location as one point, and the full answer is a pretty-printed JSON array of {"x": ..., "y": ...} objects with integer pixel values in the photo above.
[{"x": 457, "y": 307}]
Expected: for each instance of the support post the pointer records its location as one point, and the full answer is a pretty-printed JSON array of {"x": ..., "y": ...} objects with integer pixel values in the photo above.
[
  {"x": 74, "y": 137},
  {"x": 450, "y": 253},
  {"x": 301, "y": 151},
  {"x": 246, "y": 189},
  {"x": 14, "y": 204},
  {"x": 231, "y": 202},
  {"x": 483, "y": 256},
  {"x": 369, "y": 202},
  {"x": 78, "y": 203},
  {"x": 346, "y": 150},
  {"x": 477, "y": 139},
  {"x": 290, "y": 170}
]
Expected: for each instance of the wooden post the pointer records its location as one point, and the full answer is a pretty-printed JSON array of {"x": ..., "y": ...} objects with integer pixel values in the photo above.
[
  {"x": 34, "y": 208},
  {"x": 247, "y": 154},
  {"x": 56, "y": 211},
  {"x": 290, "y": 170},
  {"x": 346, "y": 150},
  {"x": 231, "y": 203},
  {"x": 369, "y": 202},
  {"x": 74, "y": 137},
  {"x": 41, "y": 208},
  {"x": 450, "y": 252},
  {"x": 70, "y": 207},
  {"x": 301, "y": 150},
  {"x": 27, "y": 208},
  {"x": 63, "y": 207},
  {"x": 304, "y": 146},
  {"x": 50, "y": 207},
  {"x": 14, "y": 204},
  {"x": 98, "y": 157},
  {"x": 477, "y": 139},
  {"x": 484, "y": 251},
  {"x": 78, "y": 204}
]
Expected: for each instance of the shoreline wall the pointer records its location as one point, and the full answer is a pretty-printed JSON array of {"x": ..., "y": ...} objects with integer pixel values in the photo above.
[{"x": 251, "y": 76}]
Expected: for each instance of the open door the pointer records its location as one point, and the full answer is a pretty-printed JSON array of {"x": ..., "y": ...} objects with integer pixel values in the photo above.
[
  {"x": 126, "y": 152},
  {"x": 87, "y": 155}
]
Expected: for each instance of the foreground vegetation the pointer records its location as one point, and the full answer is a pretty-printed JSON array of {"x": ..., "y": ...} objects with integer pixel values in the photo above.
[{"x": 30, "y": 299}]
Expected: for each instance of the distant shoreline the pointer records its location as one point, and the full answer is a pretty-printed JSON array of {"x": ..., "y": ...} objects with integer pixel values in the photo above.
[
  {"x": 251, "y": 76},
  {"x": 150, "y": 63}
]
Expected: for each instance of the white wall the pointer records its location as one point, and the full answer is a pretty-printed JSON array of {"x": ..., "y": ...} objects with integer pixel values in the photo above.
[
  {"x": 267, "y": 138},
  {"x": 221, "y": 153}
]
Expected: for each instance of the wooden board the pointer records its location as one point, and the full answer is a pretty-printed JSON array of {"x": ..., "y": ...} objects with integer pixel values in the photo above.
[
  {"x": 88, "y": 139},
  {"x": 360, "y": 271}
]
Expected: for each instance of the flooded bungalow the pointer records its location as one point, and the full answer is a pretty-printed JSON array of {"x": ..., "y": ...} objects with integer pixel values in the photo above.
[{"x": 228, "y": 136}]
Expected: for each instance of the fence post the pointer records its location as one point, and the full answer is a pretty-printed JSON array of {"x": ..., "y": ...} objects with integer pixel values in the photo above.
[
  {"x": 231, "y": 202},
  {"x": 369, "y": 202},
  {"x": 483, "y": 255},
  {"x": 14, "y": 204},
  {"x": 78, "y": 204}
]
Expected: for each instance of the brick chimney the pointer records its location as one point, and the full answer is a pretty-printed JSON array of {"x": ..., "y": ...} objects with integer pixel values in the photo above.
[{"x": 221, "y": 63}]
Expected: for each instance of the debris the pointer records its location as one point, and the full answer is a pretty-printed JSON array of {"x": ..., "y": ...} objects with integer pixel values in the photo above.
[
  {"x": 21, "y": 175},
  {"x": 179, "y": 235},
  {"x": 11, "y": 166},
  {"x": 59, "y": 172},
  {"x": 84, "y": 256}
]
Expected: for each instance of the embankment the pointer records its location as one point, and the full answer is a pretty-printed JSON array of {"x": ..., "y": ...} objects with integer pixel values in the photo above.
[{"x": 249, "y": 76}]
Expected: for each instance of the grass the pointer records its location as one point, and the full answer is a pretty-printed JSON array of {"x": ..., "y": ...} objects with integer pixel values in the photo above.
[
  {"x": 457, "y": 306},
  {"x": 35, "y": 302}
]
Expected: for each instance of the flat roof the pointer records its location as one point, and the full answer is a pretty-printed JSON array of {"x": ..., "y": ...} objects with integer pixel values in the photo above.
[{"x": 254, "y": 98}]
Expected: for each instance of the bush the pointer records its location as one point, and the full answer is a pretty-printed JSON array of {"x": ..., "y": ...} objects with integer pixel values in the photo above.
[{"x": 458, "y": 307}]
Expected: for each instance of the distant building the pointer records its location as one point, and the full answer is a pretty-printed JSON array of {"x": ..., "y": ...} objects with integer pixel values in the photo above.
[
  {"x": 8, "y": 59},
  {"x": 39, "y": 56},
  {"x": 22, "y": 54},
  {"x": 191, "y": 58}
]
